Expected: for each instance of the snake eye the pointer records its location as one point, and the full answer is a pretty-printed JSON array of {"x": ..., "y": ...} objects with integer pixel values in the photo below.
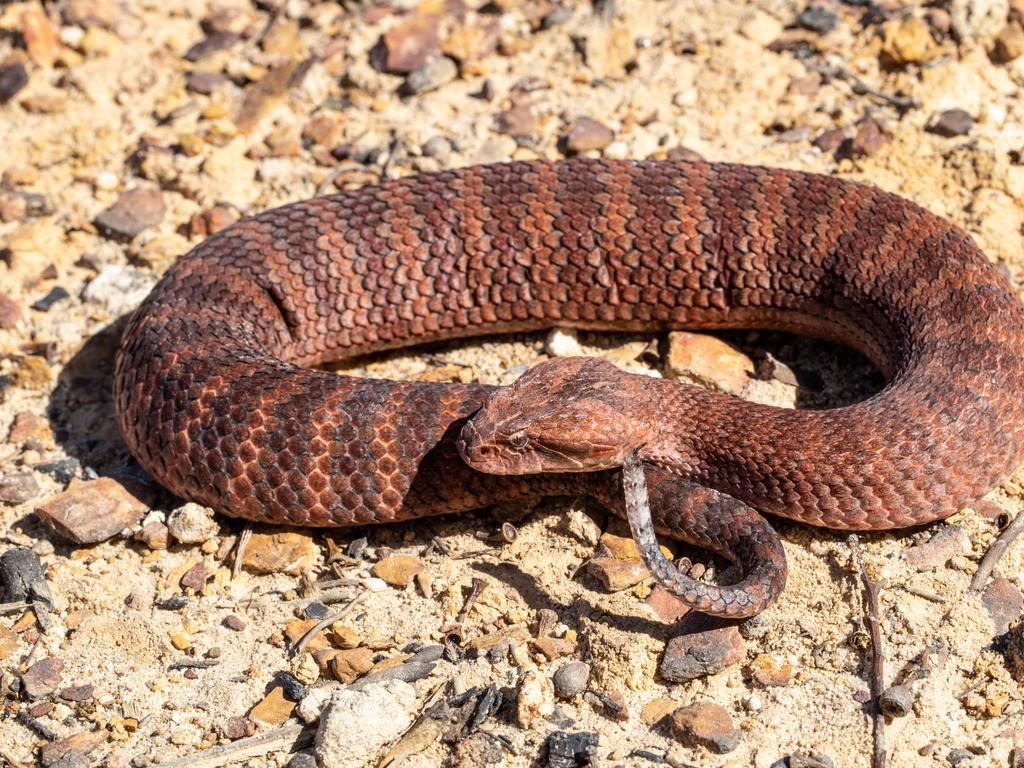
[{"x": 518, "y": 440}]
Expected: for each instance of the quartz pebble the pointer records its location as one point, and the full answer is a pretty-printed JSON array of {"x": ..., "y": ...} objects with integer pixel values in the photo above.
[
  {"x": 192, "y": 523},
  {"x": 536, "y": 698}
]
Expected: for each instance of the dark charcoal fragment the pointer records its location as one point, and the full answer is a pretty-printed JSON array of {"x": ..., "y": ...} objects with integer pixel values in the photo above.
[
  {"x": 570, "y": 750},
  {"x": 57, "y": 293}
]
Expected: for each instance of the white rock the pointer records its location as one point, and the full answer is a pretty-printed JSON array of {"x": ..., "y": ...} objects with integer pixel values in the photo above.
[
  {"x": 106, "y": 181},
  {"x": 356, "y": 725},
  {"x": 312, "y": 705},
  {"x": 562, "y": 342},
  {"x": 192, "y": 524},
  {"x": 761, "y": 28},
  {"x": 536, "y": 698},
  {"x": 582, "y": 526},
  {"x": 119, "y": 288}
]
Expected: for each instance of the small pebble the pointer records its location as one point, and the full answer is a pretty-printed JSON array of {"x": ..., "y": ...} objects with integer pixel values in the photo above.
[
  {"x": 289, "y": 552},
  {"x": 587, "y": 134},
  {"x": 943, "y": 546},
  {"x": 397, "y": 570},
  {"x": 705, "y": 724},
  {"x": 817, "y": 19},
  {"x": 274, "y": 709},
  {"x": 769, "y": 671},
  {"x": 302, "y": 760},
  {"x": 707, "y": 360},
  {"x": 10, "y": 312},
  {"x": 616, "y": 575},
  {"x": 314, "y": 610},
  {"x": 706, "y": 646},
  {"x": 407, "y": 46},
  {"x": 13, "y": 77},
  {"x": 192, "y": 524},
  {"x": 437, "y": 147},
  {"x": 952, "y": 122},
  {"x": 18, "y": 488},
  {"x": 1003, "y": 601},
  {"x": 76, "y": 693},
  {"x": 536, "y": 698},
  {"x": 91, "y": 511},
  {"x": 809, "y": 758},
  {"x": 217, "y": 41},
  {"x": 195, "y": 577},
  {"x": 571, "y": 679},
  {"x": 136, "y": 209},
  {"x": 234, "y": 728},
  {"x": 204, "y": 83},
  {"x": 432, "y": 75},
  {"x": 1009, "y": 43},
  {"x": 42, "y": 678},
  {"x": 290, "y": 685}
]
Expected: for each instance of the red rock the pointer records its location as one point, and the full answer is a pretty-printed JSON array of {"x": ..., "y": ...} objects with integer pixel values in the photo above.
[
  {"x": 705, "y": 724},
  {"x": 236, "y": 728},
  {"x": 707, "y": 360},
  {"x": 946, "y": 543},
  {"x": 195, "y": 577},
  {"x": 952, "y": 122},
  {"x": 77, "y": 693},
  {"x": 669, "y": 607},
  {"x": 59, "y": 752},
  {"x": 136, "y": 209},
  {"x": 1004, "y": 603},
  {"x": 26, "y": 424},
  {"x": 92, "y": 511},
  {"x": 586, "y": 133},
  {"x": 42, "y": 678},
  {"x": 616, "y": 575},
  {"x": 519, "y": 119},
  {"x": 154, "y": 535},
  {"x": 210, "y": 221},
  {"x": 869, "y": 138},
  {"x": 233, "y": 622},
  {"x": 830, "y": 140},
  {"x": 216, "y": 41},
  {"x": 407, "y": 46},
  {"x": 705, "y": 646}
]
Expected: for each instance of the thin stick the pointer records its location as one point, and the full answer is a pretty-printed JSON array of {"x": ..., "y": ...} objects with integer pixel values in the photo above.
[
  {"x": 243, "y": 749},
  {"x": 877, "y": 655},
  {"x": 325, "y": 622},
  {"x": 6, "y": 608},
  {"x": 240, "y": 547},
  {"x": 996, "y": 551}
]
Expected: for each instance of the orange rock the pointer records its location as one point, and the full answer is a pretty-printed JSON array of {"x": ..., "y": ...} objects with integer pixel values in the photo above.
[
  {"x": 274, "y": 709},
  {"x": 397, "y": 570},
  {"x": 282, "y": 552}
]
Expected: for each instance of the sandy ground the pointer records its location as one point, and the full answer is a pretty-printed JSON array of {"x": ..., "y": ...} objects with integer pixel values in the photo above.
[{"x": 106, "y": 109}]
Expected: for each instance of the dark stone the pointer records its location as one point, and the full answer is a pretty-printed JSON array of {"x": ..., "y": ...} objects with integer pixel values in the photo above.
[
  {"x": 204, "y": 82},
  {"x": 57, "y": 293},
  {"x": 706, "y": 645},
  {"x": 216, "y": 41},
  {"x": 314, "y": 610},
  {"x": 293, "y": 690},
  {"x": 569, "y": 750},
  {"x": 817, "y": 19},
  {"x": 952, "y": 122},
  {"x": 13, "y": 77}
]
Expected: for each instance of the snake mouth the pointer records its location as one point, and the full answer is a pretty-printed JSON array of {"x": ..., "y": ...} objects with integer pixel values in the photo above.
[{"x": 483, "y": 456}]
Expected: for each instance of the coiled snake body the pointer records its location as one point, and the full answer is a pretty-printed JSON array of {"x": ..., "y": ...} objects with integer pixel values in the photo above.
[{"x": 215, "y": 398}]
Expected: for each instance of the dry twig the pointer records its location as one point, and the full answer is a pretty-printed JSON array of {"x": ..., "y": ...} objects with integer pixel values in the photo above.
[
  {"x": 997, "y": 550},
  {"x": 877, "y": 655},
  {"x": 285, "y": 738}
]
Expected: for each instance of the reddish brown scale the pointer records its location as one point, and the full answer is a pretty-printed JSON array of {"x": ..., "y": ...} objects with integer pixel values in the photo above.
[{"x": 213, "y": 399}]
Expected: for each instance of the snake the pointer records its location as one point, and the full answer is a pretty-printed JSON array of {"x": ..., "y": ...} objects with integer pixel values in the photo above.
[{"x": 218, "y": 393}]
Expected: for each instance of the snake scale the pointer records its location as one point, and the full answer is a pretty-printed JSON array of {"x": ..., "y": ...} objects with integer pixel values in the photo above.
[{"x": 215, "y": 396}]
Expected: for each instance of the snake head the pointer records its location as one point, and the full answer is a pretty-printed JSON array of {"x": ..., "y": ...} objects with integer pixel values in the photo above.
[{"x": 564, "y": 415}]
